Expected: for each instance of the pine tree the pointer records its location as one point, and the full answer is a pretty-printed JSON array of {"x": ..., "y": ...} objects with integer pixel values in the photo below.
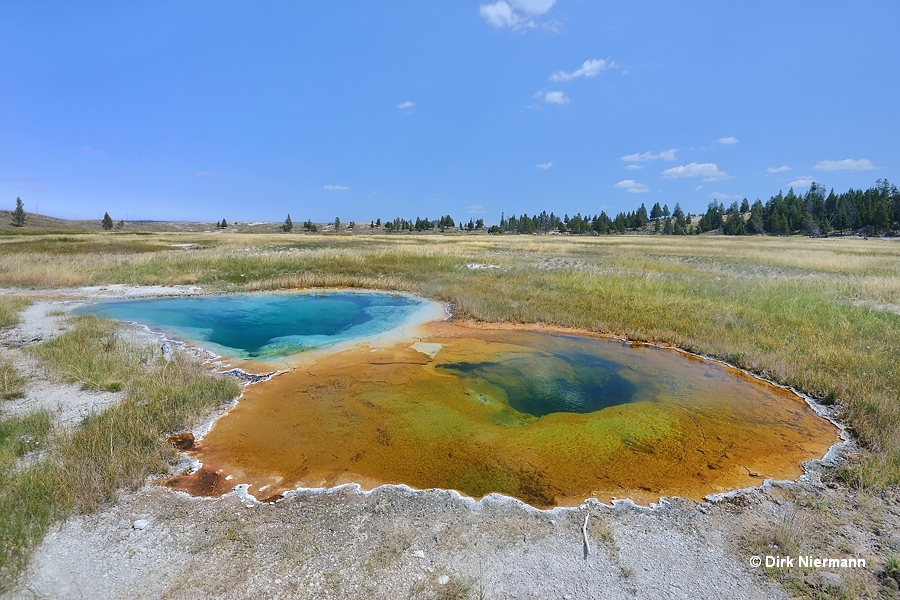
[
  {"x": 288, "y": 224},
  {"x": 842, "y": 220},
  {"x": 19, "y": 214},
  {"x": 107, "y": 222}
]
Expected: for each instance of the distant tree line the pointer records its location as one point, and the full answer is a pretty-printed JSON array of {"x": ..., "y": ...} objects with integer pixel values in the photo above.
[
  {"x": 676, "y": 222},
  {"x": 425, "y": 224},
  {"x": 874, "y": 210}
]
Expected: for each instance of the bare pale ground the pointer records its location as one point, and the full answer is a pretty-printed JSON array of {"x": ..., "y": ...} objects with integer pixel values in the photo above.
[{"x": 395, "y": 542}]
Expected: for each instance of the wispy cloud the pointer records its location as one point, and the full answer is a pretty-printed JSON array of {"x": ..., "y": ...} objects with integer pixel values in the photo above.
[
  {"x": 22, "y": 179},
  {"x": 848, "y": 164},
  {"x": 775, "y": 170},
  {"x": 405, "y": 105},
  {"x": 633, "y": 167},
  {"x": 648, "y": 156},
  {"x": 727, "y": 141},
  {"x": 589, "y": 68},
  {"x": 335, "y": 188},
  {"x": 632, "y": 186},
  {"x": 802, "y": 182},
  {"x": 204, "y": 175},
  {"x": 543, "y": 166},
  {"x": 557, "y": 97},
  {"x": 477, "y": 209},
  {"x": 721, "y": 196},
  {"x": 533, "y": 7},
  {"x": 514, "y": 14},
  {"x": 708, "y": 171}
]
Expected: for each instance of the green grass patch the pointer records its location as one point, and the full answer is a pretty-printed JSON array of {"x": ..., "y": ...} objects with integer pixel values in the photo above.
[
  {"x": 12, "y": 385},
  {"x": 106, "y": 368},
  {"x": 117, "y": 449},
  {"x": 85, "y": 244},
  {"x": 10, "y": 307},
  {"x": 20, "y": 435}
]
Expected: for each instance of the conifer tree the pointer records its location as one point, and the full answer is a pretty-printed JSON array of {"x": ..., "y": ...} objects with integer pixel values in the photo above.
[
  {"x": 288, "y": 224},
  {"x": 107, "y": 222},
  {"x": 19, "y": 214}
]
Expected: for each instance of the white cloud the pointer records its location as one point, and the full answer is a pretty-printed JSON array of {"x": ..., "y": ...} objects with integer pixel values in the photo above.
[
  {"x": 727, "y": 141},
  {"x": 405, "y": 105},
  {"x": 589, "y": 68},
  {"x": 544, "y": 166},
  {"x": 708, "y": 171},
  {"x": 848, "y": 164},
  {"x": 648, "y": 156},
  {"x": 499, "y": 15},
  {"x": 553, "y": 97},
  {"x": 632, "y": 186},
  {"x": 698, "y": 188},
  {"x": 336, "y": 188},
  {"x": 634, "y": 167},
  {"x": 721, "y": 196},
  {"x": 515, "y": 14},
  {"x": 802, "y": 182},
  {"x": 477, "y": 209},
  {"x": 781, "y": 169}
]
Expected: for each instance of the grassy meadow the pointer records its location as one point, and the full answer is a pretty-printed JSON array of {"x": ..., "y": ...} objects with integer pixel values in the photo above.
[
  {"x": 82, "y": 470},
  {"x": 822, "y": 315}
]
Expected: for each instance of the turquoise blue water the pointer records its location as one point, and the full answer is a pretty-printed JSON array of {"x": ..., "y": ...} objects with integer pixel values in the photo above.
[{"x": 266, "y": 326}]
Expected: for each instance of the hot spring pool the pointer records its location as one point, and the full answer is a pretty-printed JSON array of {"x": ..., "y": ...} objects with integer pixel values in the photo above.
[{"x": 548, "y": 418}]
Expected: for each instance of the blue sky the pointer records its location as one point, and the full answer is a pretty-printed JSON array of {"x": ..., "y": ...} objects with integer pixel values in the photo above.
[{"x": 249, "y": 111}]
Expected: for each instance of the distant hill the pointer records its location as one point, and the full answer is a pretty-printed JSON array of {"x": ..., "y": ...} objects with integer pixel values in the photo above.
[{"x": 35, "y": 223}]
